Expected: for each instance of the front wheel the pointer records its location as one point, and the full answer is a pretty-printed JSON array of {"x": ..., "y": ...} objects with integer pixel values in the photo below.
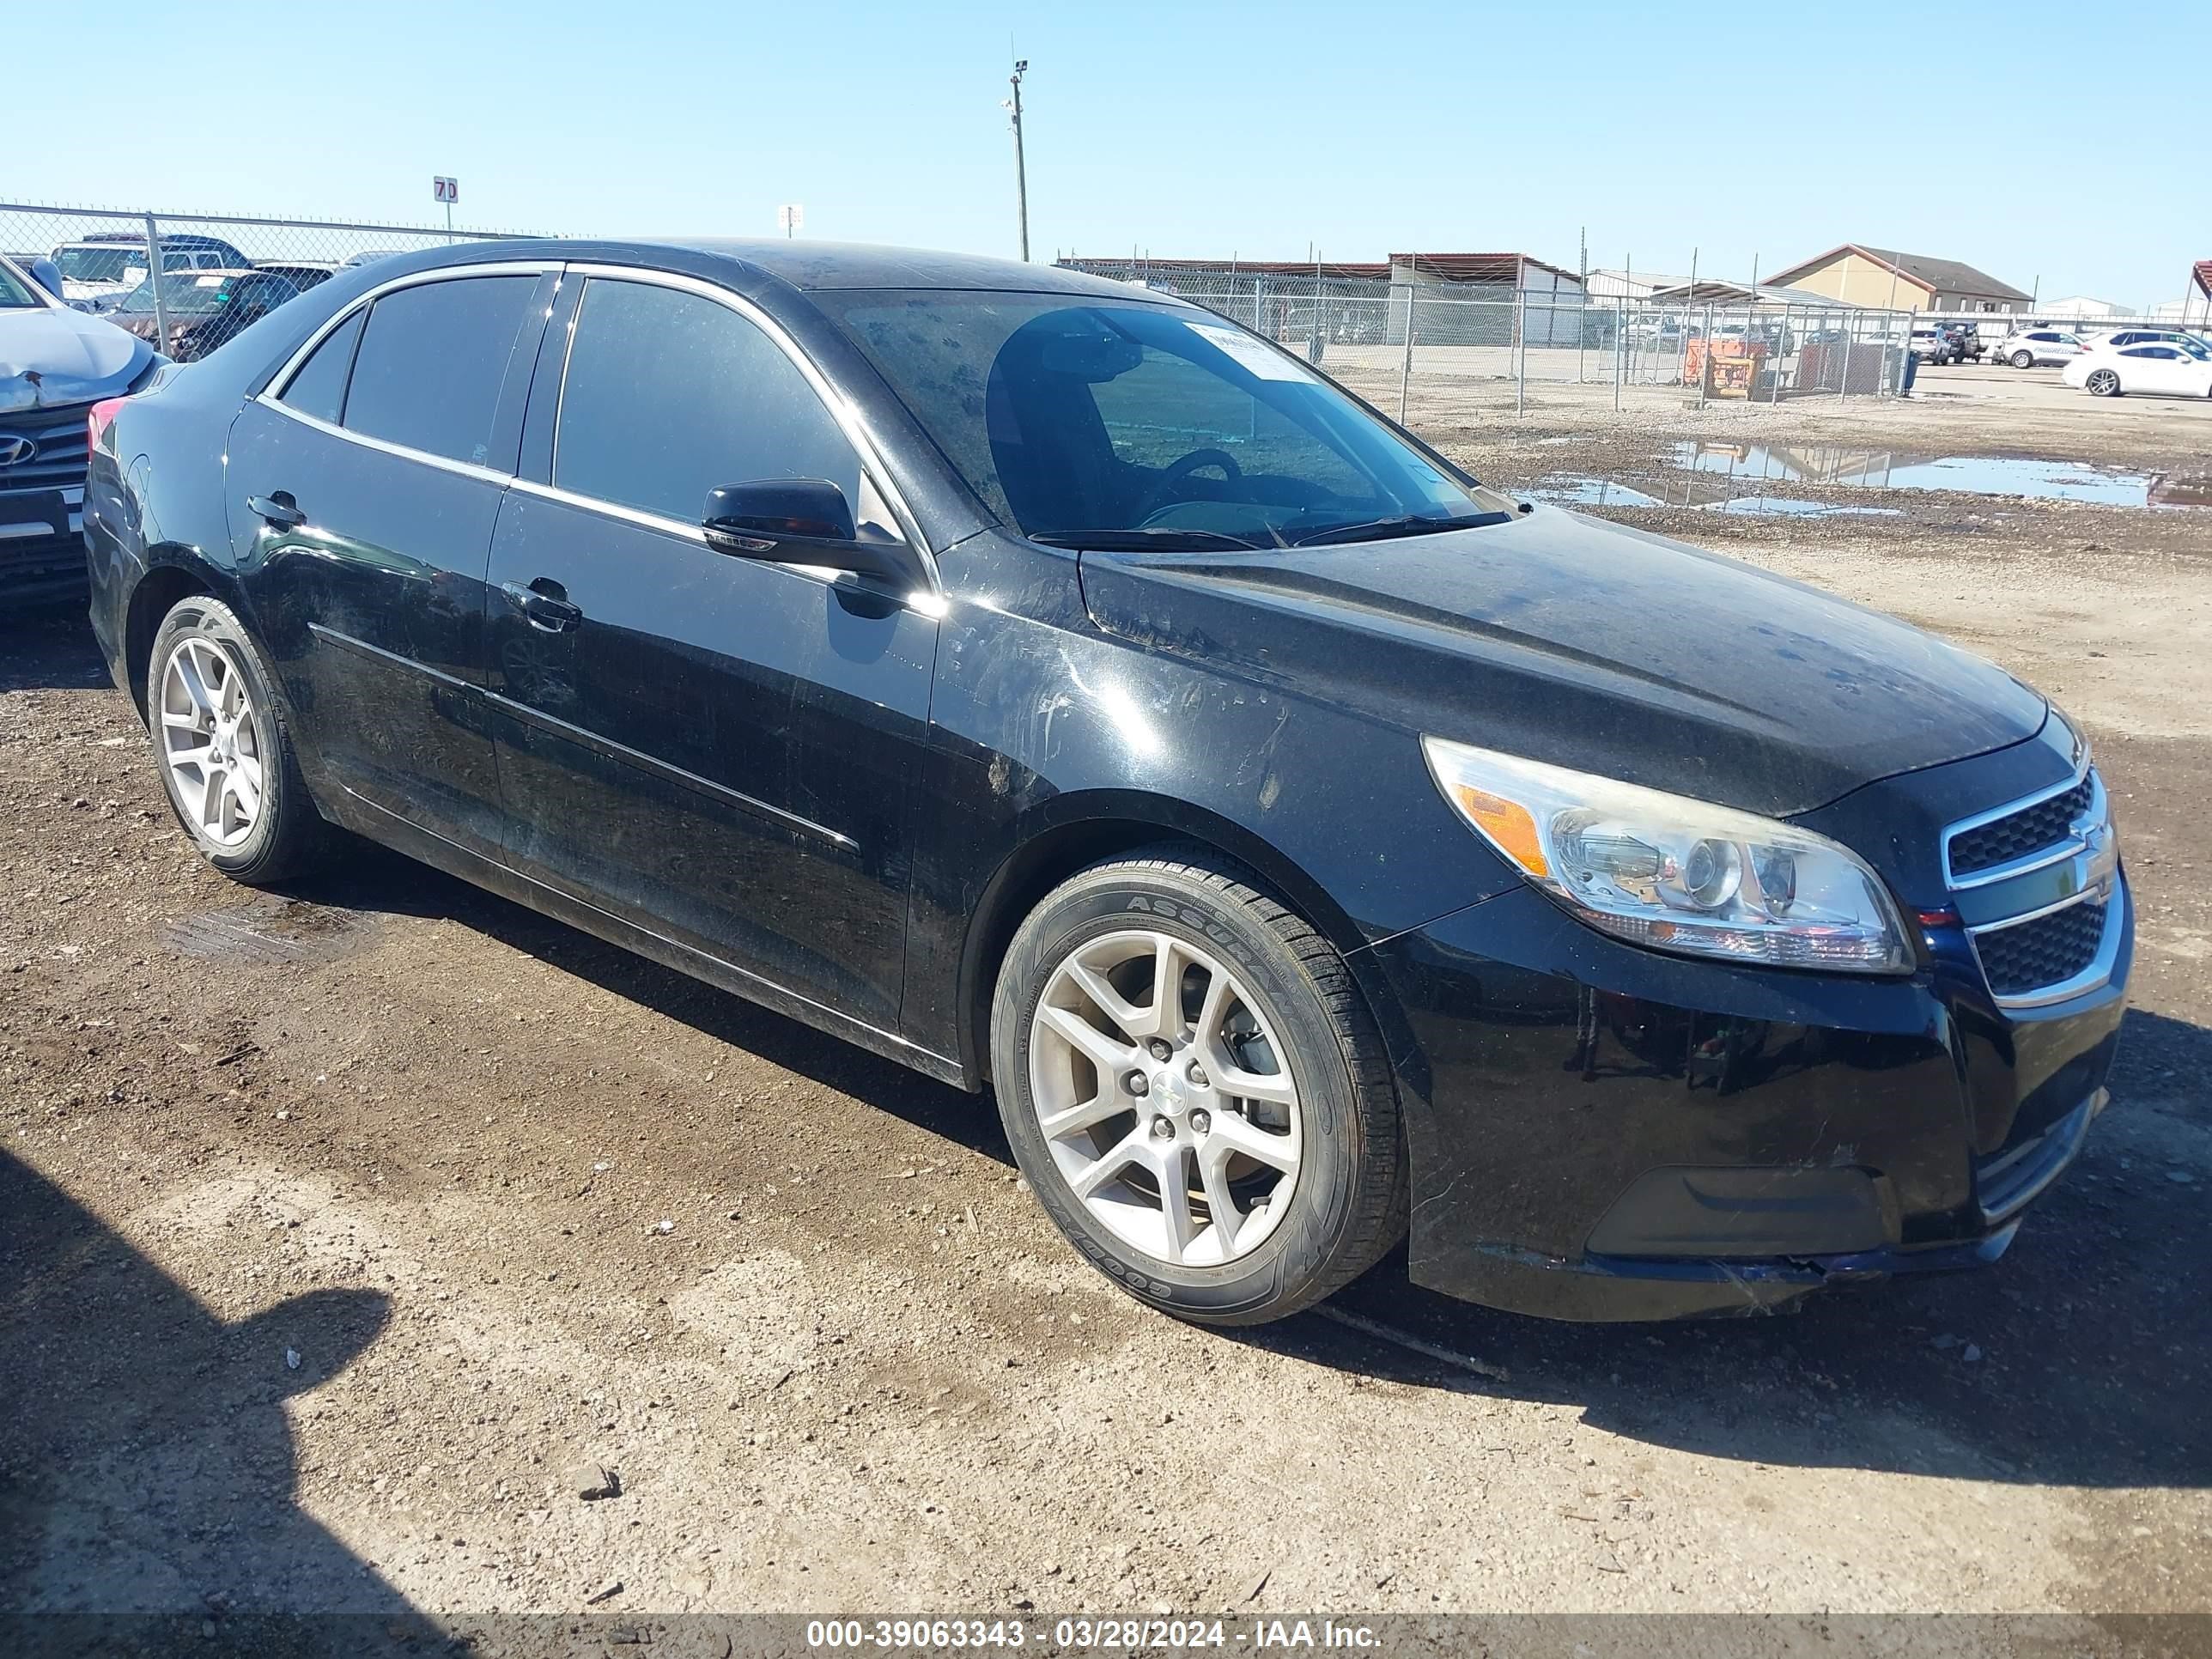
[
  {"x": 1195, "y": 1090},
  {"x": 2103, "y": 383},
  {"x": 226, "y": 757},
  {"x": 2023, "y": 360}
]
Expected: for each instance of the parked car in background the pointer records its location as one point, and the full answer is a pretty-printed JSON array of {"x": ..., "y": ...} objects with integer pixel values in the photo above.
[
  {"x": 2129, "y": 336},
  {"x": 2174, "y": 368},
  {"x": 98, "y": 270},
  {"x": 1938, "y": 343},
  {"x": 1063, "y": 691},
  {"x": 55, "y": 362},
  {"x": 2027, "y": 348},
  {"x": 204, "y": 307},
  {"x": 302, "y": 274},
  {"x": 1971, "y": 346}
]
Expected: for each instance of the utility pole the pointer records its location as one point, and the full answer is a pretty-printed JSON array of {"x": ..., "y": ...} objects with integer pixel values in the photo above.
[{"x": 1021, "y": 165}]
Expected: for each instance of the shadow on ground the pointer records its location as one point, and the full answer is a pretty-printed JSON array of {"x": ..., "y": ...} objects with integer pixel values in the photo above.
[
  {"x": 47, "y": 645},
  {"x": 147, "y": 1470}
]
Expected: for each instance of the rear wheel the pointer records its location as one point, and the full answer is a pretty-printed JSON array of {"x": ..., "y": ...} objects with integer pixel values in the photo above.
[
  {"x": 2102, "y": 383},
  {"x": 226, "y": 758},
  {"x": 1195, "y": 1091}
]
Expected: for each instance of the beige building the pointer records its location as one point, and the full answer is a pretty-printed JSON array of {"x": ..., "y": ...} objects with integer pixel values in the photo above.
[{"x": 1903, "y": 281}]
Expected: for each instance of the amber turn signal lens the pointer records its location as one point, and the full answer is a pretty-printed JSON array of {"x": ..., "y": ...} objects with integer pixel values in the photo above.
[{"x": 1509, "y": 826}]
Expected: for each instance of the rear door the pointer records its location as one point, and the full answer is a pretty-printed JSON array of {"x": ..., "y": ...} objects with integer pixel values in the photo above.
[
  {"x": 714, "y": 749},
  {"x": 363, "y": 490}
]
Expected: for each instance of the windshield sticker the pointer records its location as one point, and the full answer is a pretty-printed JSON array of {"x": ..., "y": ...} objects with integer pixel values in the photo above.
[{"x": 1249, "y": 353}]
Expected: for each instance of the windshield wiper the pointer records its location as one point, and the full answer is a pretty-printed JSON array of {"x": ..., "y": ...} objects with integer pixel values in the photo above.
[
  {"x": 1133, "y": 540},
  {"x": 1403, "y": 524}
]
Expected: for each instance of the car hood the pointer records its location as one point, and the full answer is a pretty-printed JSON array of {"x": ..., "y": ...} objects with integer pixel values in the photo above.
[
  {"x": 1587, "y": 644},
  {"x": 52, "y": 356}
]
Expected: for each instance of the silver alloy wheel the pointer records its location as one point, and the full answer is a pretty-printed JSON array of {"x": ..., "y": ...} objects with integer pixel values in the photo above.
[
  {"x": 210, "y": 741},
  {"x": 2103, "y": 383},
  {"x": 1165, "y": 1099}
]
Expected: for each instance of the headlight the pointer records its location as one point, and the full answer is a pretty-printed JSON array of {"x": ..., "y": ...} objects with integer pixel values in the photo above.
[{"x": 1674, "y": 873}]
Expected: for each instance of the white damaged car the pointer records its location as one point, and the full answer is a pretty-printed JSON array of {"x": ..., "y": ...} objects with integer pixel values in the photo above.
[{"x": 55, "y": 364}]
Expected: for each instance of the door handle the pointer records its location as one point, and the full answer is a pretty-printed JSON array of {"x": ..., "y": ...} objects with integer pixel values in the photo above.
[
  {"x": 278, "y": 509},
  {"x": 545, "y": 604}
]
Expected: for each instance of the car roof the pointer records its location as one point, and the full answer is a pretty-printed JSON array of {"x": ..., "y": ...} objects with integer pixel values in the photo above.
[
  {"x": 803, "y": 266},
  {"x": 863, "y": 265}
]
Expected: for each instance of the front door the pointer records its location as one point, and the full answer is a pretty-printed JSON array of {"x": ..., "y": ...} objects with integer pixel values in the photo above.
[
  {"x": 711, "y": 748},
  {"x": 363, "y": 495}
]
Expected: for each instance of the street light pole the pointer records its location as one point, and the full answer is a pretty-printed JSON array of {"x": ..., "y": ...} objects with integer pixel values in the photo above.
[{"x": 1021, "y": 166}]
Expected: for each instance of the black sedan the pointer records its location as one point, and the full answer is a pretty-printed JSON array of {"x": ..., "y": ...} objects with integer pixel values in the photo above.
[
  {"x": 204, "y": 307},
  {"x": 1058, "y": 688}
]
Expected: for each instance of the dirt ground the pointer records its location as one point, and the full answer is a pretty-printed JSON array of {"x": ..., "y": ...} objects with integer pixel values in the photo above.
[{"x": 338, "y": 1227}]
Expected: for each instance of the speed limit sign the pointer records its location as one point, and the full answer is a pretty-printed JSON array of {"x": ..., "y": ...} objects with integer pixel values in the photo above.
[{"x": 444, "y": 190}]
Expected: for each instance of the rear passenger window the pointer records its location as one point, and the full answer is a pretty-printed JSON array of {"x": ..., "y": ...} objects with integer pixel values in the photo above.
[
  {"x": 318, "y": 389},
  {"x": 670, "y": 394},
  {"x": 431, "y": 361}
]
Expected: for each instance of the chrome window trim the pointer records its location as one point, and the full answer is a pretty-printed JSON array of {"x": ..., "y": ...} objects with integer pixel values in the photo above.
[
  {"x": 636, "y": 515},
  {"x": 466, "y": 469},
  {"x": 929, "y": 604},
  {"x": 1983, "y": 878},
  {"x": 839, "y": 407},
  {"x": 281, "y": 381}
]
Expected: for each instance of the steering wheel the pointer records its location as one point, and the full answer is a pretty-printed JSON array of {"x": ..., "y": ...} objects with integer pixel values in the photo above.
[{"x": 1183, "y": 467}]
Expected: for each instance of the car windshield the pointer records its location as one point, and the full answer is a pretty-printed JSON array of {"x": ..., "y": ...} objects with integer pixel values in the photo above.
[
  {"x": 184, "y": 295},
  {"x": 98, "y": 264},
  {"x": 16, "y": 294},
  {"x": 1102, "y": 423}
]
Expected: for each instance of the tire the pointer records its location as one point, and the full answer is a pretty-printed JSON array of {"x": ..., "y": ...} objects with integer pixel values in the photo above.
[
  {"x": 2102, "y": 383},
  {"x": 2023, "y": 360},
  {"x": 1346, "y": 1200},
  {"x": 282, "y": 835}
]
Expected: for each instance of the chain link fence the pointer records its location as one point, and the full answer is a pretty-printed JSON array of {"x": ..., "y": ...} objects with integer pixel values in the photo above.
[
  {"x": 100, "y": 258},
  {"x": 1470, "y": 345},
  {"x": 1477, "y": 346}
]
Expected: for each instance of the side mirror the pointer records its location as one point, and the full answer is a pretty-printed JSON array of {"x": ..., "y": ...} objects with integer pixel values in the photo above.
[{"x": 797, "y": 521}]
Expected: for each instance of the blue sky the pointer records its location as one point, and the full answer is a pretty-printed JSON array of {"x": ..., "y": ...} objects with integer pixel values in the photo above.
[{"x": 1772, "y": 131}]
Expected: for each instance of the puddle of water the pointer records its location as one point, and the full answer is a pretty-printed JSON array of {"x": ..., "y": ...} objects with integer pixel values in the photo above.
[
  {"x": 1783, "y": 506},
  {"x": 1563, "y": 489},
  {"x": 1973, "y": 475},
  {"x": 1568, "y": 490}
]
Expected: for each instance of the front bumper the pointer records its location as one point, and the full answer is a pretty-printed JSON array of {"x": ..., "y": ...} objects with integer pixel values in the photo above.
[{"x": 1600, "y": 1132}]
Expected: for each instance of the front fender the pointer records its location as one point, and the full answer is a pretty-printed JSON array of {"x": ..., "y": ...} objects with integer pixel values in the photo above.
[{"x": 1045, "y": 731}]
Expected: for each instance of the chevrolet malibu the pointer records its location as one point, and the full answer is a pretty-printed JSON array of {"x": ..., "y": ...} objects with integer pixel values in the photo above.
[{"x": 1057, "y": 688}]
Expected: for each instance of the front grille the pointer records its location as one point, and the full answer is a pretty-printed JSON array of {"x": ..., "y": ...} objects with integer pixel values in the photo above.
[
  {"x": 59, "y": 461},
  {"x": 2016, "y": 836},
  {"x": 2032, "y": 954}
]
